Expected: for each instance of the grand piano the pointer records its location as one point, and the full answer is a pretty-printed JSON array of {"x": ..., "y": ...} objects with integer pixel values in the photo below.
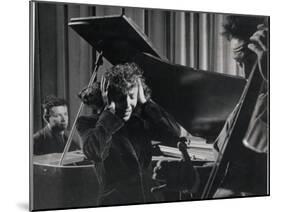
[{"x": 199, "y": 100}]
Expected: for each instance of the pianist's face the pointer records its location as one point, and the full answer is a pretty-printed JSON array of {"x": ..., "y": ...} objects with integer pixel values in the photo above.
[
  {"x": 58, "y": 119},
  {"x": 125, "y": 103}
]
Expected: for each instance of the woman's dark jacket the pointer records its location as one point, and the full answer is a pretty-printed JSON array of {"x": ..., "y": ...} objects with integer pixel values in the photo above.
[{"x": 123, "y": 150}]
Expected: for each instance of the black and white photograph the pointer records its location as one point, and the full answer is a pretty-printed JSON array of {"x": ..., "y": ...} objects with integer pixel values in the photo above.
[{"x": 136, "y": 105}]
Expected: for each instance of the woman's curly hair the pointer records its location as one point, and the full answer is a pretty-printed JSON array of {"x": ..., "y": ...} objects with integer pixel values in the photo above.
[
  {"x": 241, "y": 27},
  {"x": 123, "y": 77}
]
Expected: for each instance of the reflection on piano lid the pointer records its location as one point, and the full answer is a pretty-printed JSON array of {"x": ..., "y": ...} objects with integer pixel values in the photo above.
[
  {"x": 197, "y": 149},
  {"x": 196, "y": 153},
  {"x": 53, "y": 159}
]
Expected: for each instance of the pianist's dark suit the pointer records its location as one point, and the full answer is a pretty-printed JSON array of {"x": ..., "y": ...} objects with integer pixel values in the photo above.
[{"x": 45, "y": 141}]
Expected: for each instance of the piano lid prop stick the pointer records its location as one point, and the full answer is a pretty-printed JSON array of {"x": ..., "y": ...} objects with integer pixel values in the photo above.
[{"x": 93, "y": 77}]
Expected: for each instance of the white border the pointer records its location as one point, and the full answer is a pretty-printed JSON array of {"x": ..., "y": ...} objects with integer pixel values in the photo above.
[{"x": 15, "y": 92}]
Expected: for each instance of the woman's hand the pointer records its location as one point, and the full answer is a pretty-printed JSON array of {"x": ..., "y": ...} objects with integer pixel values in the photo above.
[
  {"x": 175, "y": 176},
  {"x": 141, "y": 96},
  {"x": 104, "y": 92},
  {"x": 258, "y": 44},
  {"x": 259, "y": 40}
]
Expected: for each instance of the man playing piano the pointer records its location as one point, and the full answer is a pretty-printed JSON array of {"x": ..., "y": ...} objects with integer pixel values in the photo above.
[
  {"x": 246, "y": 172},
  {"x": 119, "y": 138},
  {"x": 52, "y": 138}
]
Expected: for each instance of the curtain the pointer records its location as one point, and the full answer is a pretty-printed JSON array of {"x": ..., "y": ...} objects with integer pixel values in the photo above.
[{"x": 63, "y": 60}]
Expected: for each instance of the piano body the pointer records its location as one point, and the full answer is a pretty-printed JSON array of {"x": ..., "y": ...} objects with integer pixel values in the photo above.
[{"x": 199, "y": 100}]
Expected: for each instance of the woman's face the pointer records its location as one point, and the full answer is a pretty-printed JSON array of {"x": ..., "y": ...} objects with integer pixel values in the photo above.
[{"x": 126, "y": 103}]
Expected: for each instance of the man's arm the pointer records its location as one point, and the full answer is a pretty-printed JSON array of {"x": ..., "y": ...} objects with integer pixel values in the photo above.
[
  {"x": 37, "y": 144},
  {"x": 96, "y": 134},
  {"x": 162, "y": 126},
  {"x": 176, "y": 176}
]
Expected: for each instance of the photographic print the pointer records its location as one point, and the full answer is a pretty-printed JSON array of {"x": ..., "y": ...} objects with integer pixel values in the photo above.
[{"x": 138, "y": 105}]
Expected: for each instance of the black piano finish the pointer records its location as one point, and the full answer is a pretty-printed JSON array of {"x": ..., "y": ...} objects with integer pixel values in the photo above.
[{"x": 199, "y": 100}]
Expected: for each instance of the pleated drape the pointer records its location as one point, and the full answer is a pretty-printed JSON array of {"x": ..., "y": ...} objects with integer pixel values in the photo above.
[{"x": 63, "y": 60}]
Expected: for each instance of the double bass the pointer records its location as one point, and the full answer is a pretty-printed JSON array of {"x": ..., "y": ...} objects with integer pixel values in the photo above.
[{"x": 237, "y": 131}]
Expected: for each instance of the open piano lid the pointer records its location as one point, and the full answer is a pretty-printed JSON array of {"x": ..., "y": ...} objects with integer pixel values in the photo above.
[
  {"x": 117, "y": 36},
  {"x": 199, "y": 100}
]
